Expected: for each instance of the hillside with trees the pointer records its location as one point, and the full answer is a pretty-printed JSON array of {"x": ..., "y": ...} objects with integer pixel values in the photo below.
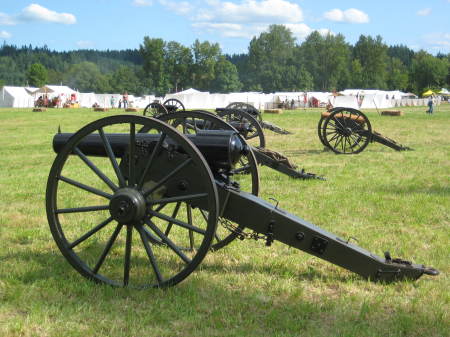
[{"x": 275, "y": 61}]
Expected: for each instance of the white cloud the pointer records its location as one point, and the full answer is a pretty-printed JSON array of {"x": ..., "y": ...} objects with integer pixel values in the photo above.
[
  {"x": 35, "y": 12},
  {"x": 224, "y": 29},
  {"x": 6, "y": 20},
  {"x": 85, "y": 44},
  {"x": 438, "y": 41},
  {"x": 301, "y": 30},
  {"x": 249, "y": 18},
  {"x": 142, "y": 3},
  {"x": 4, "y": 34},
  {"x": 351, "y": 15},
  {"x": 181, "y": 8},
  {"x": 268, "y": 11},
  {"x": 425, "y": 11}
]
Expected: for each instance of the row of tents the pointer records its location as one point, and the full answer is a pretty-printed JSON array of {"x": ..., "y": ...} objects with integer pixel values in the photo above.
[{"x": 25, "y": 97}]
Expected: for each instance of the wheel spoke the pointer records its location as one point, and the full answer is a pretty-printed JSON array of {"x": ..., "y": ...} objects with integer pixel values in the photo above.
[
  {"x": 112, "y": 157},
  {"x": 338, "y": 141},
  {"x": 180, "y": 198},
  {"x": 151, "y": 236},
  {"x": 150, "y": 255},
  {"x": 82, "y": 209},
  {"x": 150, "y": 160},
  {"x": 167, "y": 177},
  {"x": 166, "y": 240},
  {"x": 174, "y": 215},
  {"x": 126, "y": 266},
  {"x": 90, "y": 233},
  {"x": 178, "y": 222},
  {"x": 332, "y": 138},
  {"x": 191, "y": 234},
  {"x": 108, "y": 246},
  {"x": 132, "y": 156},
  {"x": 85, "y": 187},
  {"x": 96, "y": 170}
]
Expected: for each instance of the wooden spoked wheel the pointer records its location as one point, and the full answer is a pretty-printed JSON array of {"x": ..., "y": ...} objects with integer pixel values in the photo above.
[
  {"x": 245, "y": 173},
  {"x": 173, "y": 104},
  {"x": 346, "y": 131},
  {"x": 155, "y": 109},
  {"x": 246, "y": 124},
  {"x": 246, "y": 108},
  {"x": 120, "y": 221}
]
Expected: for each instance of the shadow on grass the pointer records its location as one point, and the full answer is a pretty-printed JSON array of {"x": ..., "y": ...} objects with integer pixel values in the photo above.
[
  {"x": 405, "y": 190},
  {"x": 205, "y": 305},
  {"x": 302, "y": 152},
  {"x": 52, "y": 265}
]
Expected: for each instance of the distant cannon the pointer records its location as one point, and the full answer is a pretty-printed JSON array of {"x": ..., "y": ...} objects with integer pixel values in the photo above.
[
  {"x": 133, "y": 202},
  {"x": 248, "y": 128},
  {"x": 155, "y": 109},
  {"x": 231, "y": 109},
  {"x": 348, "y": 131}
]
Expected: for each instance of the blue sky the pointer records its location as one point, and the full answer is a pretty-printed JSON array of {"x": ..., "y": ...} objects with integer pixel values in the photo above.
[{"x": 122, "y": 24}]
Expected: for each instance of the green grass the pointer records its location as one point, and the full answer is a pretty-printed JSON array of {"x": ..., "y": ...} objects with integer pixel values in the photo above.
[{"x": 388, "y": 200}]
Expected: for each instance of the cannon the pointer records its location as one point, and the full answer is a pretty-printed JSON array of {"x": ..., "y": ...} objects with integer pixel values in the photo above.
[
  {"x": 156, "y": 109},
  {"x": 132, "y": 202},
  {"x": 348, "y": 131},
  {"x": 248, "y": 128},
  {"x": 234, "y": 109}
]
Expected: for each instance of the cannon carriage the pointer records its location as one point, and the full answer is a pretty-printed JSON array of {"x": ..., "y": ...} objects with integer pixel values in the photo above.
[
  {"x": 133, "y": 202},
  {"x": 348, "y": 131}
]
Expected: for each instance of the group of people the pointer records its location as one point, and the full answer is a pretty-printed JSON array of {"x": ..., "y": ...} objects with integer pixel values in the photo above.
[
  {"x": 56, "y": 102},
  {"x": 123, "y": 102}
]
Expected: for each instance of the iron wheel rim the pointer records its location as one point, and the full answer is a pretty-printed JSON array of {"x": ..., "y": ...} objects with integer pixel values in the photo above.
[
  {"x": 86, "y": 268},
  {"x": 347, "y": 131}
]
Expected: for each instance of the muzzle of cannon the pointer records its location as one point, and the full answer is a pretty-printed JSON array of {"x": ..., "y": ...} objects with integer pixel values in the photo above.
[{"x": 133, "y": 202}]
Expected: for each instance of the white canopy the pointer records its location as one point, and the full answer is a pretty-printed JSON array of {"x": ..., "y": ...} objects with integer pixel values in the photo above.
[{"x": 15, "y": 97}]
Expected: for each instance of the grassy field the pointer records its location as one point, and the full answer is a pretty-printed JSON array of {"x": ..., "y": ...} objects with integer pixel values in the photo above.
[{"x": 388, "y": 200}]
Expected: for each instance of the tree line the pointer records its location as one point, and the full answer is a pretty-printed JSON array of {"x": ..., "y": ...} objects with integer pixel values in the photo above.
[{"x": 275, "y": 61}]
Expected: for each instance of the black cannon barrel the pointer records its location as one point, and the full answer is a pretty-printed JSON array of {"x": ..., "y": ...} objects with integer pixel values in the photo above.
[{"x": 221, "y": 148}]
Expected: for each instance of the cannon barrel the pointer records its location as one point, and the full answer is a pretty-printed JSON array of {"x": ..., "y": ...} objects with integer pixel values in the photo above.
[{"x": 221, "y": 148}]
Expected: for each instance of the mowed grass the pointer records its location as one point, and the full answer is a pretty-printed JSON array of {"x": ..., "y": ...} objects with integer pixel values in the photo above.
[{"x": 388, "y": 200}]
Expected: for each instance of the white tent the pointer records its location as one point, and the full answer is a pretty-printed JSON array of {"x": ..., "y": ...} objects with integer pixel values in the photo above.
[
  {"x": 345, "y": 101},
  {"x": 55, "y": 90},
  {"x": 15, "y": 97}
]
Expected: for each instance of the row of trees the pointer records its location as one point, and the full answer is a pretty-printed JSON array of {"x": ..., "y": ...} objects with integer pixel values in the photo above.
[{"x": 274, "y": 62}]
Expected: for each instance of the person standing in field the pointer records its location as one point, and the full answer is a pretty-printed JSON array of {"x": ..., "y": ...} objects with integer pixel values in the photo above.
[
  {"x": 430, "y": 105},
  {"x": 113, "y": 102},
  {"x": 125, "y": 100}
]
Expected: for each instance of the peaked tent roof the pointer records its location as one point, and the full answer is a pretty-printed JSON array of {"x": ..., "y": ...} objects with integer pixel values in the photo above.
[
  {"x": 428, "y": 93},
  {"x": 54, "y": 89}
]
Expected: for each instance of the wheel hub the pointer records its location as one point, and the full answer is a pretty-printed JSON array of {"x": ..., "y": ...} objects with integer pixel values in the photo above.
[{"x": 127, "y": 206}]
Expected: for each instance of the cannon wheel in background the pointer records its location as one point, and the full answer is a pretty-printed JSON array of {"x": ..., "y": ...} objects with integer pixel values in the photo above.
[
  {"x": 256, "y": 136},
  {"x": 245, "y": 173},
  {"x": 85, "y": 201},
  {"x": 246, "y": 108},
  {"x": 347, "y": 131},
  {"x": 320, "y": 130},
  {"x": 173, "y": 104},
  {"x": 154, "y": 109}
]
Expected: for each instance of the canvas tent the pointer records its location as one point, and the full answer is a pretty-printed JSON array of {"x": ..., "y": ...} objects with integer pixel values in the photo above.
[
  {"x": 55, "y": 90},
  {"x": 428, "y": 93},
  {"x": 15, "y": 97}
]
